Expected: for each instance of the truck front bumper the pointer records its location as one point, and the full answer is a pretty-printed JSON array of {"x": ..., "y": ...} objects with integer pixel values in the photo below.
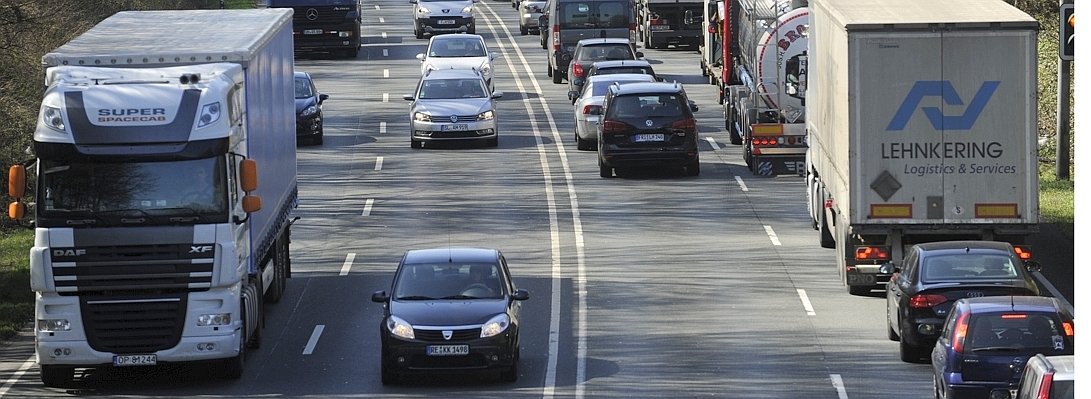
[{"x": 79, "y": 353}]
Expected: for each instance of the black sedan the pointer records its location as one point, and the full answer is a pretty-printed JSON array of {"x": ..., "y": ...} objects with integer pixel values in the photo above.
[
  {"x": 935, "y": 275},
  {"x": 452, "y": 310},
  {"x": 308, "y": 109}
]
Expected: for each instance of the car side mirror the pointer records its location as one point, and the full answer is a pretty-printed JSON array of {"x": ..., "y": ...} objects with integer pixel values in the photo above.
[
  {"x": 408, "y": 97},
  {"x": 412, "y": 1},
  {"x": 573, "y": 95},
  {"x": 497, "y": 94},
  {"x": 420, "y": 57},
  {"x": 889, "y": 268},
  {"x": 379, "y": 296},
  {"x": 322, "y": 98},
  {"x": 520, "y": 295},
  {"x": 1033, "y": 266},
  {"x": 639, "y": 54},
  {"x": 492, "y": 56},
  {"x": 693, "y": 106}
]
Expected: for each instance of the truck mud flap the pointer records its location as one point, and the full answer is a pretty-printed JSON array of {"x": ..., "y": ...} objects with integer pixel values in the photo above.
[{"x": 770, "y": 166}]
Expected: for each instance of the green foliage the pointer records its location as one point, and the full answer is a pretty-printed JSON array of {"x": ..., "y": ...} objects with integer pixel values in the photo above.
[{"x": 16, "y": 298}]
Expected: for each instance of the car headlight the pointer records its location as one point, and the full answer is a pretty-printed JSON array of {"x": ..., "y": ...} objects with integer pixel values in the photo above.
[
  {"x": 468, "y": 9},
  {"x": 311, "y": 110},
  {"x": 53, "y": 117},
  {"x": 486, "y": 69},
  {"x": 495, "y": 326},
  {"x": 422, "y": 117},
  {"x": 422, "y": 9},
  {"x": 487, "y": 115},
  {"x": 210, "y": 113},
  {"x": 400, "y": 327}
]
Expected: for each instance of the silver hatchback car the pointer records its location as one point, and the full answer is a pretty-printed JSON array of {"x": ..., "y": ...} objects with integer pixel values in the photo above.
[
  {"x": 529, "y": 11},
  {"x": 452, "y": 104},
  {"x": 587, "y": 105}
]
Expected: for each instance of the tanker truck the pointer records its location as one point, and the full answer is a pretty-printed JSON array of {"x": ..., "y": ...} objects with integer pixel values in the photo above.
[
  {"x": 154, "y": 241},
  {"x": 765, "y": 61}
]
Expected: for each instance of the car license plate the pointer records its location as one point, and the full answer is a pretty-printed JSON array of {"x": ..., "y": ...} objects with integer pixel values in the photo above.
[
  {"x": 445, "y": 22},
  {"x": 134, "y": 360},
  {"x": 659, "y": 27},
  {"x": 460, "y": 127},
  {"x": 640, "y": 138},
  {"x": 448, "y": 350},
  {"x": 312, "y": 31}
]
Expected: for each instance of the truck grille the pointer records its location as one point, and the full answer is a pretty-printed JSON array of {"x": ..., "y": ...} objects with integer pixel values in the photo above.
[
  {"x": 133, "y": 324},
  {"x": 145, "y": 269},
  {"x": 318, "y": 15}
]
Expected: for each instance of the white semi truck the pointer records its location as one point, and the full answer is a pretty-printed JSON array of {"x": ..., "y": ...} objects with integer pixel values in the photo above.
[
  {"x": 154, "y": 240},
  {"x": 765, "y": 44},
  {"x": 921, "y": 123}
]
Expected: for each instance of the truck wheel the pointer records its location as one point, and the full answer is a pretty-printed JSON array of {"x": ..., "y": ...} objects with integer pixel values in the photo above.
[
  {"x": 826, "y": 237},
  {"x": 859, "y": 290},
  {"x": 549, "y": 70},
  {"x": 57, "y": 376},
  {"x": 523, "y": 30},
  {"x": 232, "y": 367},
  {"x": 280, "y": 269}
]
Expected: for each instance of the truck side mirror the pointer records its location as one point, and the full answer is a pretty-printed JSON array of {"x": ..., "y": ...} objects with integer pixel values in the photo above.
[
  {"x": 17, "y": 181},
  {"x": 16, "y": 210},
  {"x": 251, "y": 203},
  {"x": 248, "y": 175}
]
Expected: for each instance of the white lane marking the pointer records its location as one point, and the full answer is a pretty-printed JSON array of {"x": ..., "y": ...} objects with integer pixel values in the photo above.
[
  {"x": 772, "y": 235},
  {"x": 712, "y": 142},
  {"x": 384, "y": 35},
  {"x": 378, "y": 163},
  {"x": 386, "y": 53},
  {"x": 581, "y": 279},
  {"x": 381, "y": 20},
  {"x": 367, "y": 207},
  {"x": 314, "y": 339},
  {"x": 386, "y": 73},
  {"x": 18, "y": 374},
  {"x": 382, "y": 127},
  {"x": 376, "y": 6},
  {"x": 806, "y": 301},
  {"x": 348, "y": 263},
  {"x": 386, "y": 97},
  {"x": 742, "y": 185},
  {"x": 839, "y": 386}
]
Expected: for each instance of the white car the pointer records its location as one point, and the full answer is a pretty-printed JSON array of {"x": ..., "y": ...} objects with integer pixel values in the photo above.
[
  {"x": 442, "y": 16},
  {"x": 458, "y": 51},
  {"x": 588, "y": 105}
]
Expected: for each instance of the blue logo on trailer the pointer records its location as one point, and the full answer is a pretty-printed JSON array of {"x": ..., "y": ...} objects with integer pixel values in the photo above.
[{"x": 943, "y": 89}]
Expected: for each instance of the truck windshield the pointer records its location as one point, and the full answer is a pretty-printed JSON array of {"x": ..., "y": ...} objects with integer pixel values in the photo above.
[{"x": 110, "y": 194}]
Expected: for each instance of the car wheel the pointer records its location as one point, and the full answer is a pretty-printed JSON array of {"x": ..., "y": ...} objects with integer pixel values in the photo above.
[
  {"x": 386, "y": 374},
  {"x": 556, "y": 76},
  {"x": 549, "y": 70},
  {"x": 583, "y": 145},
  {"x": 318, "y": 139},
  {"x": 890, "y": 333},
  {"x": 909, "y": 353},
  {"x": 523, "y": 30},
  {"x": 473, "y": 29},
  {"x": 935, "y": 387},
  {"x": 493, "y": 142},
  {"x": 605, "y": 170},
  {"x": 694, "y": 168},
  {"x": 56, "y": 376},
  {"x": 415, "y": 144}
]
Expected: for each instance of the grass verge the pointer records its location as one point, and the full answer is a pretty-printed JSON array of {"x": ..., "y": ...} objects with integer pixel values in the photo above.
[
  {"x": 16, "y": 298},
  {"x": 1056, "y": 199}
]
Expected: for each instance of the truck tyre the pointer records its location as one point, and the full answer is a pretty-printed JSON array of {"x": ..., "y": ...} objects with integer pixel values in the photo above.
[
  {"x": 280, "y": 270},
  {"x": 549, "y": 70},
  {"x": 523, "y": 30},
  {"x": 859, "y": 290},
  {"x": 232, "y": 367},
  {"x": 826, "y": 237},
  {"x": 57, "y": 376}
]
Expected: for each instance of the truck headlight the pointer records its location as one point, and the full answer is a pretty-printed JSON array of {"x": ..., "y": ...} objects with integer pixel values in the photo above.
[
  {"x": 215, "y": 319},
  {"x": 422, "y": 117},
  {"x": 53, "y": 117},
  {"x": 487, "y": 115},
  {"x": 400, "y": 327},
  {"x": 53, "y": 325},
  {"x": 496, "y": 325},
  {"x": 210, "y": 113},
  {"x": 311, "y": 110}
]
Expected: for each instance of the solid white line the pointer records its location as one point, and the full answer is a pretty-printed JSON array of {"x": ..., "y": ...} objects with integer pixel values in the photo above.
[
  {"x": 386, "y": 53},
  {"x": 367, "y": 207},
  {"x": 381, "y": 20},
  {"x": 348, "y": 263},
  {"x": 384, "y": 35},
  {"x": 314, "y": 339},
  {"x": 712, "y": 142},
  {"x": 839, "y": 386},
  {"x": 386, "y": 73},
  {"x": 741, "y": 184},
  {"x": 806, "y": 301},
  {"x": 382, "y": 127},
  {"x": 386, "y": 97},
  {"x": 772, "y": 235},
  {"x": 378, "y": 163},
  {"x": 18, "y": 374}
]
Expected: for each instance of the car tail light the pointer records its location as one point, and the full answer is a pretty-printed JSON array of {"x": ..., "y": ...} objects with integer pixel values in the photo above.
[
  {"x": 1069, "y": 330},
  {"x": 1023, "y": 251},
  {"x": 556, "y": 37},
  {"x": 577, "y": 69},
  {"x": 688, "y": 124},
  {"x": 609, "y": 126},
  {"x": 872, "y": 253},
  {"x": 958, "y": 339},
  {"x": 588, "y": 109},
  {"x": 1047, "y": 385},
  {"x": 1013, "y": 316},
  {"x": 924, "y": 301}
]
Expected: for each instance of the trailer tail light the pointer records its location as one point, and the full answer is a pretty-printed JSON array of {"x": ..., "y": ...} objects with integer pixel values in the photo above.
[
  {"x": 1047, "y": 385},
  {"x": 924, "y": 301},
  {"x": 592, "y": 109},
  {"x": 689, "y": 124},
  {"x": 577, "y": 70},
  {"x": 1022, "y": 251},
  {"x": 610, "y": 126},
  {"x": 958, "y": 338},
  {"x": 870, "y": 252}
]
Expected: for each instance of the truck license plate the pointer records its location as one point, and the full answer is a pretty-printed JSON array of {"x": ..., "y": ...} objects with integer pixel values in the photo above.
[
  {"x": 312, "y": 31},
  {"x": 639, "y": 138},
  {"x": 448, "y": 350},
  {"x": 445, "y": 22},
  {"x": 460, "y": 127},
  {"x": 659, "y": 27},
  {"x": 134, "y": 360}
]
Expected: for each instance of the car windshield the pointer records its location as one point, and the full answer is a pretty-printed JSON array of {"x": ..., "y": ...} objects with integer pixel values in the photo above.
[
  {"x": 605, "y": 52},
  {"x": 1023, "y": 332},
  {"x": 967, "y": 266},
  {"x": 448, "y": 281},
  {"x": 456, "y": 48},
  {"x": 303, "y": 88},
  {"x": 440, "y": 89},
  {"x": 594, "y": 14}
]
